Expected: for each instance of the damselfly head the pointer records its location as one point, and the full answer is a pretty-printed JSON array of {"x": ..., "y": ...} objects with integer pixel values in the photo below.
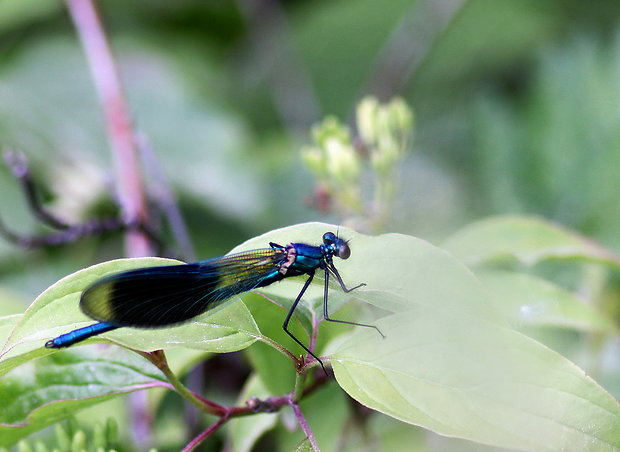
[{"x": 337, "y": 245}]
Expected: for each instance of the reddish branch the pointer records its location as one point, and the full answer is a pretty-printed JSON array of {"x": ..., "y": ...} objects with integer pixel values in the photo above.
[
  {"x": 253, "y": 406},
  {"x": 119, "y": 128}
]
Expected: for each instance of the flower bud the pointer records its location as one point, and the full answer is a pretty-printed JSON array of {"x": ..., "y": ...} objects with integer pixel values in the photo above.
[
  {"x": 366, "y": 117},
  {"x": 342, "y": 162},
  {"x": 401, "y": 116}
]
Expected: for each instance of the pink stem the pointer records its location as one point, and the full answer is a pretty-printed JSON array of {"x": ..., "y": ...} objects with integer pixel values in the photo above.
[
  {"x": 118, "y": 123},
  {"x": 193, "y": 444},
  {"x": 303, "y": 423}
]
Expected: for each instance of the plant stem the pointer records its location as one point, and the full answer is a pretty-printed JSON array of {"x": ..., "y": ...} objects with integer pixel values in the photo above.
[
  {"x": 278, "y": 347},
  {"x": 197, "y": 441},
  {"x": 119, "y": 128},
  {"x": 252, "y": 406},
  {"x": 303, "y": 423},
  {"x": 158, "y": 358},
  {"x": 300, "y": 379}
]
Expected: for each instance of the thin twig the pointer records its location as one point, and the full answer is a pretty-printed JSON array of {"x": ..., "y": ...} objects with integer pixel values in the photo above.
[
  {"x": 118, "y": 123},
  {"x": 197, "y": 441},
  {"x": 303, "y": 423},
  {"x": 71, "y": 233},
  {"x": 253, "y": 406},
  {"x": 158, "y": 358},
  {"x": 68, "y": 235},
  {"x": 18, "y": 164}
]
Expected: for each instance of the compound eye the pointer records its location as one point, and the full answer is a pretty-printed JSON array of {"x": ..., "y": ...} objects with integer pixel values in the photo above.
[
  {"x": 329, "y": 238},
  {"x": 343, "y": 251}
]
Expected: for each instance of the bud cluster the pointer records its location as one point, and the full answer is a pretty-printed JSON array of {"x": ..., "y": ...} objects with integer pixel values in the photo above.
[{"x": 337, "y": 160}]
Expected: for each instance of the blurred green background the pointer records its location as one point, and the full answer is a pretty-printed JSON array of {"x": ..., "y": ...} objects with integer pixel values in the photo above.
[
  {"x": 516, "y": 106},
  {"x": 516, "y": 112}
]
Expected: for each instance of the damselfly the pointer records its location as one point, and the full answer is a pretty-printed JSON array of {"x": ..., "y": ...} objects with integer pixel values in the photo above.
[{"x": 163, "y": 296}]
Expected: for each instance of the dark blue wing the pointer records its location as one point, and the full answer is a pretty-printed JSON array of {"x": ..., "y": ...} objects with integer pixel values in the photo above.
[{"x": 159, "y": 296}]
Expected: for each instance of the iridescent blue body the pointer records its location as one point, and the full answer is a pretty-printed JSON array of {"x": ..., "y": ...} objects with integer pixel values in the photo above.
[{"x": 162, "y": 296}]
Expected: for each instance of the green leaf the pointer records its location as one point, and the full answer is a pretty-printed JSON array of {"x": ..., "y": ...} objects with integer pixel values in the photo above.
[
  {"x": 282, "y": 295},
  {"x": 530, "y": 301},
  {"x": 7, "y": 324},
  {"x": 56, "y": 311},
  {"x": 386, "y": 264},
  {"x": 245, "y": 431},
  {"x": 450, "y": 363},
  {"x": 183, "y": 360},
  {"x": 528, "y": 240},
  {"x": 394, "y": 435},
  {"x": 40, "y": 393},
  {"x": 469, "y": 378},
  {"x": 276, "y": 370},
  {"x": 17, "y": 13}
]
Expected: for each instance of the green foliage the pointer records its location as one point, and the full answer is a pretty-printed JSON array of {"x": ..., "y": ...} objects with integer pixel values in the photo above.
[
  {"x": 486, "y": 347},
  {"x": 71, "y": 438},
  {"x": 527, "y": 240},
  {"x": 528, "y": 300},
  {"x": 447, "y": 378},
  {"x": 452, "y": 360},
  {"x": 15, "y": 13},
  {"x": 41, "y": 392},
  {"x": 555, "y": 151}
]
